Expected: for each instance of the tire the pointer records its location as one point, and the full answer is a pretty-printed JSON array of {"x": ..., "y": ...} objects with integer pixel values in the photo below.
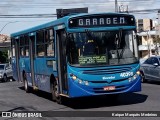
[
  {"x": 26, "y": 87},
  {"x": 5, "y": 79},
  {"x": 54, "y": 91},
  {"x": 143, "y": 80}
]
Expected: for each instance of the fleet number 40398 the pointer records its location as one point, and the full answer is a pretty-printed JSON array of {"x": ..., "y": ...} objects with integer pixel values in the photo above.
[{"x": 126, "y": 74}]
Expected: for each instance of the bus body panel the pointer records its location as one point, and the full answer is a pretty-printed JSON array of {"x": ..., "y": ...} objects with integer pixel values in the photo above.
[
  {"x": 80, "y": 91},
  {"x": 42, "y": 72},
  {"x": 15, "y": 76},
  {"x": 97, "y": 81}
]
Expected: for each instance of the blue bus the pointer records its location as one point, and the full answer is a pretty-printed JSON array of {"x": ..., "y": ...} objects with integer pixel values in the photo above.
[{"x": 79, "y": 55}]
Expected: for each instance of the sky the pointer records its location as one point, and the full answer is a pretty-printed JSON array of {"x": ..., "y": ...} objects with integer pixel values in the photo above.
[{"x": 24, "y": 7}]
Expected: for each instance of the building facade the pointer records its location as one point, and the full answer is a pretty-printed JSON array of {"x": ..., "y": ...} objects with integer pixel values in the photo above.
[
  {"x": 147, "y": 33},
  {"x": 5, "y": 44}
]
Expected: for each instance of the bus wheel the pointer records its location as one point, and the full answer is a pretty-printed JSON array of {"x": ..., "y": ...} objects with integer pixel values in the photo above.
[
  {"x": 26, "y": 87},
  {"x": 54, "y": 90}
]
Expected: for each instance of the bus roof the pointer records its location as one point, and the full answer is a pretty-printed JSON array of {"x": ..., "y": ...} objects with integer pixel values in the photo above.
[{"x": 60, "y": 21}]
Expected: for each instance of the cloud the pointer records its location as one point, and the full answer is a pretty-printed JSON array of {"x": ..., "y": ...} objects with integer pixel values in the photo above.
[{"x": 9, "y": 6}]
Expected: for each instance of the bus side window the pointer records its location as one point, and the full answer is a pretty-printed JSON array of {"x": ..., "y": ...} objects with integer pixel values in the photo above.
[
  {"x": 22, "y": 43},
  {"x": 26, "y": 47},
  {"x": 40, "y": 43},
  {"x": 49, "y": 42}
]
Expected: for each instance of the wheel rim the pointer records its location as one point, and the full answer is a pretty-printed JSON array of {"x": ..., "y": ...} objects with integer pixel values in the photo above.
[
  {"x": 143, "y": 78},
  {"x": 5, "y": 78},
  {"x": 56, "y": 90},
  {"x": 25, "y": 85}
]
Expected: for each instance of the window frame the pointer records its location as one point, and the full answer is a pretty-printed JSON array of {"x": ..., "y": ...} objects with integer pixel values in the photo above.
[
  {"x": 45, "y": 42},
  {"x": 13, "y": 43}
]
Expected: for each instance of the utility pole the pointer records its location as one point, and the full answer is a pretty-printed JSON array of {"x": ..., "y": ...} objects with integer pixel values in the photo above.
[
  {"x": 116, "y": 6},
  {"x": 158, "y": 23},
  {"x": 148, "y": 43}
]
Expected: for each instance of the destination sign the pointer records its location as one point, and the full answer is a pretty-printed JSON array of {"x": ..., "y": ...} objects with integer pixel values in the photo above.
[
  {"x": 102, "y": 21},
  {"x": 92, "y": 59}
]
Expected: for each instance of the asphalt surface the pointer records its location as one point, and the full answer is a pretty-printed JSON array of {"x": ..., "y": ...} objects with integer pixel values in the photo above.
[{"x": 14, "y": 98}]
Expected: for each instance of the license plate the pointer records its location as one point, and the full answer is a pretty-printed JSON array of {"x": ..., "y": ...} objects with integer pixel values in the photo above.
[{"x": 109, "y": 88}]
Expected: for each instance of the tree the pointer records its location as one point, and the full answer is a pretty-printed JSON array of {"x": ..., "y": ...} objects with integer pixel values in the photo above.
[
  {"x": 156, "y": 40},
  {"x": 3, "y": 57}
]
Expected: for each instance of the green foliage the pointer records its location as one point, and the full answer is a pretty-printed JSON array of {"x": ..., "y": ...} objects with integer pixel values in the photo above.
[
  {"x": 156, "y": 40},
  {"x": 3, "y": 56}
]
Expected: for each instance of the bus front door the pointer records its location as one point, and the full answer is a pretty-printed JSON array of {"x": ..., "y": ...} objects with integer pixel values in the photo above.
[
  {"x": 17, "y": 52},
  {"x": 32, "y": 59},
  {"x": 61, "y": 60}
]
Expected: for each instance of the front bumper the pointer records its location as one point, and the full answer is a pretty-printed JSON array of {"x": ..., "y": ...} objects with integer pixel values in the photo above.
[{"x": 78, "y": 90}]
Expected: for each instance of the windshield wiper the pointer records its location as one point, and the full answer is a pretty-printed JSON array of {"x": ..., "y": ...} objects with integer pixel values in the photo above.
[{"x": 118, "y": 40}]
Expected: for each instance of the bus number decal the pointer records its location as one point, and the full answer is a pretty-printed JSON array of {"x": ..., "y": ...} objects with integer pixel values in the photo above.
[{"x": 126, "y": 74}]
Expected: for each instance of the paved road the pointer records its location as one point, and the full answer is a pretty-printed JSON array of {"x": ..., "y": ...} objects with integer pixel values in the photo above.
[{"x": 14, "y": 98}]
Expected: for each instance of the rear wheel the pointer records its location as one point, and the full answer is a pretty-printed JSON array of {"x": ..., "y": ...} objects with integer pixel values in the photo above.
[
  {"x": 26, "y": 87},
  {"x": 5, "y": 78},
  {"x": 55, "y": 95}
]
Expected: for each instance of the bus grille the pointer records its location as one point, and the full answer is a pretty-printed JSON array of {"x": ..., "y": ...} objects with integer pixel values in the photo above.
[
  {"x": 113, "y": 81},
  {"x": 107, "y": 71}
]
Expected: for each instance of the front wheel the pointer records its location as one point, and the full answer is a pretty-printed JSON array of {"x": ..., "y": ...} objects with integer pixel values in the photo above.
[
  {"x": 54, "y": 91},
  {"x": 143, "y": 80}
]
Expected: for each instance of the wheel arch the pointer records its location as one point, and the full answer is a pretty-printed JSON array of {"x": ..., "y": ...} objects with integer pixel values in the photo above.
[{"x": 52, "y": 79}]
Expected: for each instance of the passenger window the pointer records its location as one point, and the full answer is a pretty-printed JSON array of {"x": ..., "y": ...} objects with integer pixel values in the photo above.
[
  {"x": 49, "y": 42},
  {"x": 40, "y": 43},
  {"x": 26, "y": 47},
  {"x": 22, "y": 46}
]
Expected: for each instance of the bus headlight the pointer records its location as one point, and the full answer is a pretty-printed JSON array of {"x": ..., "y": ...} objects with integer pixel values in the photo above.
[
  {"x": 86, "y": 82},
  {"x": 138, "y": 72},
  {"x": 74, "y": 77},
  {"x": 79, "y": 80},
  {"x": 134, "y": 77}
]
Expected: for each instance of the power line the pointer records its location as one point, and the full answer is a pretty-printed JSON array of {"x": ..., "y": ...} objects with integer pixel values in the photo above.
[{"x": 55, "y": 15}]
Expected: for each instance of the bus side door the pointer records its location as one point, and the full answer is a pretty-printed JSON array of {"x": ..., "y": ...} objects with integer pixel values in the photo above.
[
  {"x": 61, "y": 60},
  {"x": 17, "y": 53},
  {"x": 32, "y": 38}
]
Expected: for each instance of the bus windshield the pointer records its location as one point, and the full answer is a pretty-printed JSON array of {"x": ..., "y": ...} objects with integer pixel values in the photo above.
[{"x": 102, "y": 48}]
